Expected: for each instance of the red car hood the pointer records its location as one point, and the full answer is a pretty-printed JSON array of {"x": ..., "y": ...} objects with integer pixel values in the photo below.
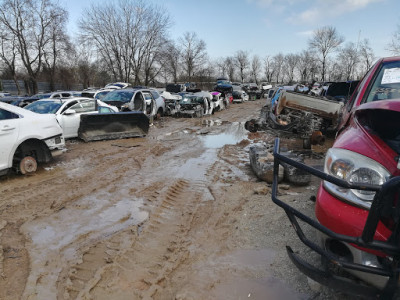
[
  {"x": 393, "y": 105},
  {"x": 374, "y": 131}
]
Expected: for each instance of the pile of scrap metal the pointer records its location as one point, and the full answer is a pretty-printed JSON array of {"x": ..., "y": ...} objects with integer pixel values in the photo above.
[{"x": 302, "y": 114}]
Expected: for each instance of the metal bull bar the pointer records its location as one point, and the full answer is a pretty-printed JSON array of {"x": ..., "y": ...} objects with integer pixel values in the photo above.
[{"x": 381, "y": 205}]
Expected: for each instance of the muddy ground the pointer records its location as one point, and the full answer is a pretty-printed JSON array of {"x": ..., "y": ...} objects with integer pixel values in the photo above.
[{"x": 178, "y": 214}]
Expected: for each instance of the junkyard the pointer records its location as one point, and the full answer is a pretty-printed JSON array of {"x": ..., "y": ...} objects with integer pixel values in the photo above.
[
  {"x": 176, "y": 215},
  {"x": 245, "y": 149}
]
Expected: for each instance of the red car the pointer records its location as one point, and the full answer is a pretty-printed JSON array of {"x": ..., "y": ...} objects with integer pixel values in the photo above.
[{"x": 357, "y": 206}]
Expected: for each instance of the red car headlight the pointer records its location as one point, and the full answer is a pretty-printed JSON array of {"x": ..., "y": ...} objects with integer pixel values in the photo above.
[{"x": 354, "y": 168}]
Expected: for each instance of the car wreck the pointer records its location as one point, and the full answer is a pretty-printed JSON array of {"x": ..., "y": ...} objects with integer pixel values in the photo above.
[
  {"x": 357, "y": 204},
  {"x": 304, "y": 115},
  {"x": 27, "y": 138},
  {"x": 193, "y": 105}
]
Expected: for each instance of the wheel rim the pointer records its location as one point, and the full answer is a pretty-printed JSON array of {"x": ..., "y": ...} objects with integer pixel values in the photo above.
[{"x": 28, "y": 165}]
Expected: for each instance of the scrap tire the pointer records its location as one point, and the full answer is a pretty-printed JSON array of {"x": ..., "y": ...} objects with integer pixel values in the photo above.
[
  {"x": 27, "y": 165},
  {"x": 251, "y": 125}
]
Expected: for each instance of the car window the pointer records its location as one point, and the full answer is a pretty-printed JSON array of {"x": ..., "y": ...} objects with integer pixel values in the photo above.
[
  {"x": 386, "y": 84},
  {"x": 155, "y": 94},
  {"x": 147, "y": 96},
  {"x": 123, "y": 96},
  {"x": 103, "y": 109},
  {"x": 84, "y": 106},
  {"x": 7, "y": 115},
  {"x": 44, "y": 107},
  {"x": 101, "y": 95}
]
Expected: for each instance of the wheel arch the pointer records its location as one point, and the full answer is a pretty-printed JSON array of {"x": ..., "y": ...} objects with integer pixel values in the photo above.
[{"x": 32, "y": 147}]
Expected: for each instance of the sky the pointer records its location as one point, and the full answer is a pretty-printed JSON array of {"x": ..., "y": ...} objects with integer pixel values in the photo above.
[{"x": 269, "y": 27}]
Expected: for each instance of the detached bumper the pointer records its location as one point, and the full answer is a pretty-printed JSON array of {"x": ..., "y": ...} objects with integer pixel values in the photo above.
[{"x": 390, "y": 248}]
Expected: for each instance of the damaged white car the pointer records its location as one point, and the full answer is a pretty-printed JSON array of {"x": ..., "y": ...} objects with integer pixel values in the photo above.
[{"x": 27, "y": 138}]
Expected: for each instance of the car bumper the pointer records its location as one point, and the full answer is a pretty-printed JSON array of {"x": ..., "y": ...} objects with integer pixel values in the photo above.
[
  {"x": 56, "y": 145},
  {"x": 363, "y": 264}
]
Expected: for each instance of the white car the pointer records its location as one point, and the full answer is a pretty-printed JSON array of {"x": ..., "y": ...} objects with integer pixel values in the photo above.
[
  {"x": 133, "y": 99},
  {"x": 160, "y": 103},
  {"x": 27, "y": 138},
  {"x": 68, "y": 111}
]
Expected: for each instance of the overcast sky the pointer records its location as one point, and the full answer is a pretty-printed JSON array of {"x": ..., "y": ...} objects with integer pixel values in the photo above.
[{"x": 267, "y": 27}]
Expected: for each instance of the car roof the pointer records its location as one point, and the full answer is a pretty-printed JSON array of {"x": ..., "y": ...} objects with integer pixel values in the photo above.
[{"x": 65, "y": 100}]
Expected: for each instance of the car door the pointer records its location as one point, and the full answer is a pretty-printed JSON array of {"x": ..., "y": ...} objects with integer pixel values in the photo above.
[
  {"x": 9, "y": 129},
  {"x": 71, "y": 118},
  {"x": 150, "y": 103}
]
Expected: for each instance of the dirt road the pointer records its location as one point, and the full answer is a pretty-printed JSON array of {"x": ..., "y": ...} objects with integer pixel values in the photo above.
[{"x": 176, "y": 215}]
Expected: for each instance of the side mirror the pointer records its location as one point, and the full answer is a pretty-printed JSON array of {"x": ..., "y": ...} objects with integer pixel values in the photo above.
[{"x": 69, "y": 111}]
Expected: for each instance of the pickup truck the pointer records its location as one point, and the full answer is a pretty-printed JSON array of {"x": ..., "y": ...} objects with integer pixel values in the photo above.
[
  {"x": 358, "y": 204},
  {"x": 27, "y": 138}
]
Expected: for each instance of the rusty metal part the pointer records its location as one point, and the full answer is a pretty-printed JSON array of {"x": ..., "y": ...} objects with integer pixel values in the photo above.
[
  {"x": 27, "y": 165},
  {"x": 317, "y": 138}
]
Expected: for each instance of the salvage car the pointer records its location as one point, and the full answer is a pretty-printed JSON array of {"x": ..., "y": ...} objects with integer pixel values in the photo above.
[
  {"x": 171, "y": 101},
  {"x": 357, "y": 204},
  {"x": 68, "y": 111},
  {"x": 131, "y": 99},
  {"x": 159, "y": 101},
  {"x": 193, "y": 105},
  {"x": 239, "y": 96},
  {"x": 27, "y": 138}
]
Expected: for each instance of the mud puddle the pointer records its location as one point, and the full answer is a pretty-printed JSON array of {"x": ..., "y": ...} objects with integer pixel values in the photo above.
[
  {"x": 234, "y": 134},
  {"x": 233, "y": 277},
  {"x": 60, "y": 238}
]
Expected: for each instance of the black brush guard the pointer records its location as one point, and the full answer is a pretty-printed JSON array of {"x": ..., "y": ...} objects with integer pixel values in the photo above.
[{"x": 382, "y": 206}]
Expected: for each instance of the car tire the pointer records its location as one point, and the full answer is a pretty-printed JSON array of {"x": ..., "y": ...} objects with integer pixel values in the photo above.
[{"x": 27, "y": 165}]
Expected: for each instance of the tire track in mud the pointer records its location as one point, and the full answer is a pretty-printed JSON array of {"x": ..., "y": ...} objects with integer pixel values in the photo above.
[
  {"x": 32, "y": 199},
  {"x": 162, "y": 238},
  {"x": 102, "y": 175}
]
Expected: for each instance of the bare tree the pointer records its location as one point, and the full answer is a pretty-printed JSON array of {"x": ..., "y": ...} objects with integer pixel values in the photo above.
[
  {"x": 268, "y": 68},
  {"x": 255, "y": 68},
  {"x": 348, "y": 58},
  {"x": 291, "y": 61},
  {"x": 366, "y": 55},
  {"x": 31, "y": 22},
  {"x": 305, "y": 65},
  {"x": 194, "y": 53},
  {"x": 128, "y": 37},
  {"x": 8, "y": 55},
  {"x": 278, "y": 61},
  {"x": 172, "y": 57},
  {"x": 58, "y": 44},
  {"x": 394, "y": 45},
  {"x": 324, "y": 41},
  {"x": 242, "y": 62},
  {"x": 230, "y": 68}
]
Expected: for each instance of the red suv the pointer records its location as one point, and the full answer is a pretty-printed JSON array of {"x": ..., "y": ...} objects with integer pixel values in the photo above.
[{"x": 358, "y": 207}]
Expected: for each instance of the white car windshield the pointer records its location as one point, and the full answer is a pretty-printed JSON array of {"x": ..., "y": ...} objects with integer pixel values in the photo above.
[{"x": 44, "y": 107}]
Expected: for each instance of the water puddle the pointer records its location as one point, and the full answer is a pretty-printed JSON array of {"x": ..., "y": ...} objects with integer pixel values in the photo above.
[
  {"x": 239, "y": 275},
  {"x": 231, "y": 136},
  {"x": 212, "y": 123},
  {"x": 176, "y": 135},
  {"x": 57, "y": 239}
]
